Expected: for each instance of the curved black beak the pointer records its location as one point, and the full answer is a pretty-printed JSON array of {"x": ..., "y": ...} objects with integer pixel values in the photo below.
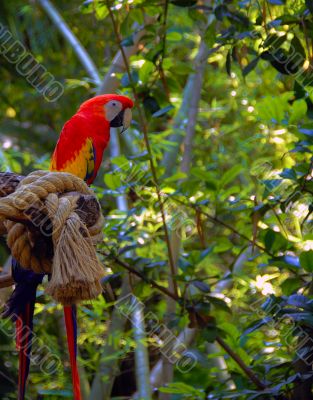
[
  {"x": 123, "y": 119},
  {"x": 117, "y": 122}
]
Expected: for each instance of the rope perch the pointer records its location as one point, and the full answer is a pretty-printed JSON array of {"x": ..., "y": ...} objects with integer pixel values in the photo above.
[{"x": 71, "y": 259}]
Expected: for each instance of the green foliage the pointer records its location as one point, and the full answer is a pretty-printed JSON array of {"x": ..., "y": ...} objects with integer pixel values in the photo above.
[{"x": 244, "y": 210}]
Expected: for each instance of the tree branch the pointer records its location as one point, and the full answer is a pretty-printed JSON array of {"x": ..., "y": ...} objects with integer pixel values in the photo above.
[
  {"x": 144, "y": 127},
  {"x": 6, "y": 281},
  {"x": 249, "y": 373}
]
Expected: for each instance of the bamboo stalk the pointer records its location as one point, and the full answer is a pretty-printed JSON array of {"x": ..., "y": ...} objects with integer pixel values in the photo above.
[
  {"x": 141, "y": 352},
  {"x": 68, "y": 35},
  {"x": 168, "y": 367},
  {"x": 103, "y": 381},
  {"x": 141, "y": 355}
]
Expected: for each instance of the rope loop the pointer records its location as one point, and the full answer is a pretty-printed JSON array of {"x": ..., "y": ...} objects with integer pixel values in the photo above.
[{"x": 74, "y": 267}]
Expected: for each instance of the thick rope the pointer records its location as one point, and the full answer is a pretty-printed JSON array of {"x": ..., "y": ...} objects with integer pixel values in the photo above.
[{"x": 75, "y": 269}]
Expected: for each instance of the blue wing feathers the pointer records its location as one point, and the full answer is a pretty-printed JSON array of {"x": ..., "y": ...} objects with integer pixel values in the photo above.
[{"x": 24, "y": 292}]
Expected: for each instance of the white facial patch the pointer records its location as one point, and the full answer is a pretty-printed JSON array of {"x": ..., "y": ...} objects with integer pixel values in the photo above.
[
  {"x": 127, "y": 118},
  {"x": 112, "y": 108}
]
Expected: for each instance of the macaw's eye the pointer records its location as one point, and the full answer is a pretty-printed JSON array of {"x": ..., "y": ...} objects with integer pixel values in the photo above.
[{"x": 112, "y": 108}]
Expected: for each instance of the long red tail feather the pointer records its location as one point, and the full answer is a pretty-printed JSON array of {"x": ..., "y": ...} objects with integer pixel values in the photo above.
[
  {"x": 24, "y": 333},
  {"x": 71, "y": 330}
]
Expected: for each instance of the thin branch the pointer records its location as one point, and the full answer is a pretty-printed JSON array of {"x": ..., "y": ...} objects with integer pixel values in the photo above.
[
  {"x": 168, "y": 367},
  {"x": 6, "y": 281},
  {"x": 140, "y": 275},
  {"x": 197, "y": 208},
  {"x": 6, "y": 290},
  {"x": 163, "y": 52},
  {"x": 111, "y": 81},
  {"x": 143, "y": 124},
  {"x": 92, "y": 71},
  {"x": 99, "y": 388},
  {"x": 68, "y": 35},
  {"x": 164, "y": 31},
  {"x": 250, "y": 374}
]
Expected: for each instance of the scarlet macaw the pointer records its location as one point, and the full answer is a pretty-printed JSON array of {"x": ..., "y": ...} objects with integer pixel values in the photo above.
[{"x": 79, "y": 151}]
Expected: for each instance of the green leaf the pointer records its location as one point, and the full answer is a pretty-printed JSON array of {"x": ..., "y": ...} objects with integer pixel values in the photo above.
[
  {"x": 55, "y": 392},
  {"x": 306, "y": 131},
  {"x": 250, "y": 67},
  {"x": 300, "y": 301},
  {"x": 125, "y": 82},
  {"x": 228, "y": 63},
  {"x": 290, "y": 285},
  {"x": 128, "y": 41},
  {"x": 219, "y": 303},
  {"x": 174, "y": 36},
  {"x": 230, "y": 175},
  {"x": 144, "y": 156},
  {"x": 163, "y": 111},
  {"x": 181, "y": 388},
  {"x": 298, "y": 111},
  {"x": 274, "y": 41},
  {"x": 306, "y": 260},
  {"x": 269, "y": 239},
  {"x": 204, "y": 287},
  {"x": 210, "y": 333},
  {"x": 175, "y": 177},
  {"x": 297, "y": 47},
  {"x": 273, "y": 109},
  {"x": 289, "y": 173},
  {"x": 120, "y": 161},
  {"x": 145, "y": 71},
  {"x": 113, "y": 181},
  {"x": 209, "y": 36},
  {"x": 256, "y": 325},
  {"x": 182, "y": 68},
  {"x": 277, "y": 2}
]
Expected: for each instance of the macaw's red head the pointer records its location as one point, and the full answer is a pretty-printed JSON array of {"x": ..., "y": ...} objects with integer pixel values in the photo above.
[{"x": 114, "y": 108}]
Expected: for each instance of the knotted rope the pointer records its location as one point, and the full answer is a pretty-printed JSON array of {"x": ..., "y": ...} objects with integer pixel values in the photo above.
[{"x": 74, "y": 267}]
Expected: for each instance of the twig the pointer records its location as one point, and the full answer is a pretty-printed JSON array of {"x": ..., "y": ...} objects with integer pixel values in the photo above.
[
  {"x": 192, "y": 114},
  {"x": 111, "y": 81},
  {"x": 6, "y": 281},
  {"x": 306, "y": 38},
  {"x": 164, "y": 31},
  {"x": 143, "y": 124},
  {"x": 175, "y": 297},
  {"x": 141, "y": 276},
  {"x": 260, "y": 385},
  {"x": 220, "y": 222},
  {"x": 163, "y": 52}
]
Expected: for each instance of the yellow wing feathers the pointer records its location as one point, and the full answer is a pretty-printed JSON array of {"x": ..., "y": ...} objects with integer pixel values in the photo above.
[{"x": 82, "y": 164}]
